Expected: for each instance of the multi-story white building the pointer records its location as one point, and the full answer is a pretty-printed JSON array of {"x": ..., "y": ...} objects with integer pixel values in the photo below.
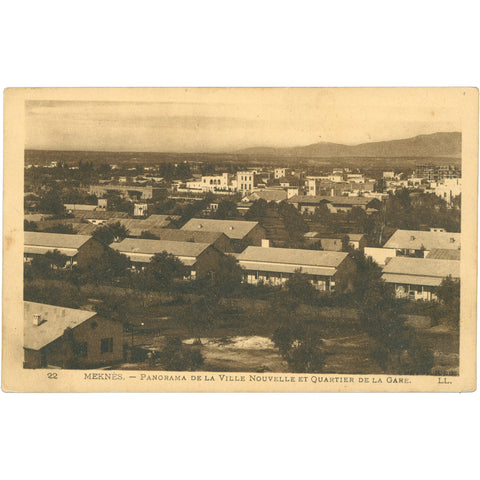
[
  {"x": 245, "y": 181},
  {"x": 212, "y": 183},
  {"x": 280, "y": 172}
]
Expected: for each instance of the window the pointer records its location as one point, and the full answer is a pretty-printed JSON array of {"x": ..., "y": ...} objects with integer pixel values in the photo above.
[
  {"x": 106, "y": 345},
  {"x": 80, "y": 349}
]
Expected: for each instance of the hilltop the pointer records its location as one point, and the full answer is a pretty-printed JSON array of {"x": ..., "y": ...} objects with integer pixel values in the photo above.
[{"x": 441, "y": 144}]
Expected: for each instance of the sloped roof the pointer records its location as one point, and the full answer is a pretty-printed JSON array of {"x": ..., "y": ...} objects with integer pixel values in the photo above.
[
  {"x": 236, "y": 229},
  {"x": 287, "y": 268},
  {"x": 54, "y": 322},
  {"x": 85, "y": 228},
  {"x": 80, "y": 206},
  {"x": 276, "y": 195},
  {"x": 198, "y": 236},
  {"x": 55, "y": 240},
  {"x": 156, "y": 218},
  {"x": 355, "y": 237},
  {"x": 428, "y": 267},
  {"x": 151, "y": 247},
  {"x": 418, "y": 239},
  {"x": 36, "y": 217},
  {"x": 98, "y": 214},
  {"x": 292, "y": 256},
  {"x": 137, "y": 225},
  {"x": 444, "y": 254},
  {"x": 412, "y": 279}
]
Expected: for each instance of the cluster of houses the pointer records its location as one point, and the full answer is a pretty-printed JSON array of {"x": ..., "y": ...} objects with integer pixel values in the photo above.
[{"x": 414, "y": 262}]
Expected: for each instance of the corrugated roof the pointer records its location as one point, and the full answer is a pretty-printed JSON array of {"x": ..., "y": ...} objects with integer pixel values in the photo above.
[
  {"x": 236, "y": 229},
  {"x": 444, "y": 254},
  {"x": 55, "y": 240},
  {"x": 292, "y": 256},
  {"x": 151, "y": 247},
  {"x": 417, "y": 239},
  {"x": 423, "y": 267},
  {"x": 54, "y": 322}
]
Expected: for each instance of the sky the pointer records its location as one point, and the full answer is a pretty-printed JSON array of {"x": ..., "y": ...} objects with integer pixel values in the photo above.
[{"x": 226, "y": 120}]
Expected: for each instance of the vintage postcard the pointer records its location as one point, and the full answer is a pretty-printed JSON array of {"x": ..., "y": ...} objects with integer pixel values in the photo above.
[{"x": 240, "y": 239}]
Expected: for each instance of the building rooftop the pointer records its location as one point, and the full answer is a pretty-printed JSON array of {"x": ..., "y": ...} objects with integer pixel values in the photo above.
[
  {"x": 136, "y": 226},
  {"x": 444, "y": 254},
  {"x": 355, "y": 237},
  {"x": 276, "y": 195},
  {"x": 293, "y": 256},
  {"x": 98, "y": 214},
  {"x": 235, "y": 229},
  {"x": 198, "y": 236},
  {"x": 55, "y": 240},
  {"x": 134, "y": 248},
  {"x": 418, "y": 240},
  {"x": 427, "y": 267},
  {"x": 53, "y": 322},
  {"x": 336, "y": 200},
  {"x": 80, "y": 206}
]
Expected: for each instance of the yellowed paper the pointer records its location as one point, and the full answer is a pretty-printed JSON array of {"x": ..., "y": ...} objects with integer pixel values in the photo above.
[{"x": 251, "y": 132}]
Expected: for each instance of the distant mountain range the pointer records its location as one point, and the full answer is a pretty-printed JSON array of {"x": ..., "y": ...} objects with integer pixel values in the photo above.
[{"x": 441, "y": 144}]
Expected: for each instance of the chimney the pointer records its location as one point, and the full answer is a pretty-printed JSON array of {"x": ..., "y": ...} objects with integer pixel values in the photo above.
[
  {"x": 265, "y": 243},
  {"x": 37, "y": 319}
]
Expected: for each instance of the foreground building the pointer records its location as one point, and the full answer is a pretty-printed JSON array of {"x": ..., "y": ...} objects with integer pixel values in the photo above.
[
  {"x": 201, "y": 259},
  {"x": 417, "y": 278},
  {"x": 69, "y": 338},
  {"x": 327, "y": 271},
  {"x": 81, "y": 250}
]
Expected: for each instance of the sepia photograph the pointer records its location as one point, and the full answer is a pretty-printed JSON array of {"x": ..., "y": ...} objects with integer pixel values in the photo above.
[{"x": 241, "y": 239}]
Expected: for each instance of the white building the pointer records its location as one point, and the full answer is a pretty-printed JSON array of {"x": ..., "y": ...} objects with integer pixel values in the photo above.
[
  {"x": 448, "y": 189},
  {"x": 140, "y": 210},
  {"x": 280, "y": 172},
  {"x": 213, "y": 183},
  {"x": 245, "y": 181}
]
